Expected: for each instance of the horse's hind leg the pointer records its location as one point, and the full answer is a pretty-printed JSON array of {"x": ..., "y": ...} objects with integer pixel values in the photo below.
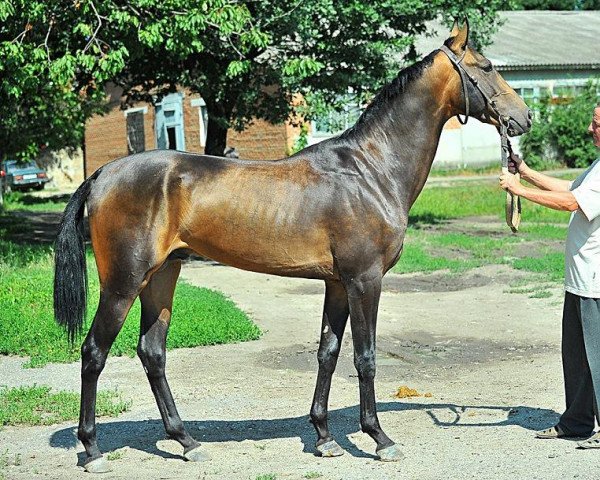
[
  {"x": 109, "y": 318},
  {"x": 157, "y": 305},
  {"x": 335, "y": 316}
]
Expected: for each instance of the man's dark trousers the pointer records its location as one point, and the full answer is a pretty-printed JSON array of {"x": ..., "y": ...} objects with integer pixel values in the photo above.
[{"x": 581, "y": 364}]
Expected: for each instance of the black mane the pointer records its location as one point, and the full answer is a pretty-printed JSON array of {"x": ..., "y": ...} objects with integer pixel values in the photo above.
[{"x": 393, "y": 89}]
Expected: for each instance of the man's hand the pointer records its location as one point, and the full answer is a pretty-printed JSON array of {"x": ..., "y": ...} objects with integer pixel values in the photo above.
[
  {"x": 515, "y": 163},
  {"x": 509, "y": 182}
]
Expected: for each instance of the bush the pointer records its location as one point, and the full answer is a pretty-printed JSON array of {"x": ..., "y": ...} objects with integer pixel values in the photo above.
[{"x": 559, "y": 132}]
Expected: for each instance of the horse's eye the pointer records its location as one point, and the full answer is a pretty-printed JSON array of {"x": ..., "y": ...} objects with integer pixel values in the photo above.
[{"x": 488, "y": 67}]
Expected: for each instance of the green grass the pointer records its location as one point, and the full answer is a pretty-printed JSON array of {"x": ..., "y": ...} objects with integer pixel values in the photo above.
[
  {"x": 426, "y": 251},
  {"x": 267, "y": 476},
  {"x": 478, "y": 199},
  {"x": 27, "y": 326},
  {"x": 552, "y": 265},
  {"x": 26, "y": 201},
  {"x": 37, "y": 405},
  {"x": 416, "y": 259},
  {"x": 430, "y": 249},
  {"x": 115, "y": 455}
]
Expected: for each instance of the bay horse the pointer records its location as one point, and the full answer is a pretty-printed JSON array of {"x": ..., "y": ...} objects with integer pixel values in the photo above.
[{"x": 335, "y": 211}]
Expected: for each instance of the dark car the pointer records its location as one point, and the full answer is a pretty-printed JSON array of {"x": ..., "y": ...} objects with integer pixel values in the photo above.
[{"x": 22, "y": 175}]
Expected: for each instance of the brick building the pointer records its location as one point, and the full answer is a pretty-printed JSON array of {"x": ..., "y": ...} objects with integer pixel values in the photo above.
[{"x": 179, "y": 122}]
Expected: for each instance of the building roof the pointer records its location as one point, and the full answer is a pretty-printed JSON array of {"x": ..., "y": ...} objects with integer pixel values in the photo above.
[{"x": 537, "y": 39}]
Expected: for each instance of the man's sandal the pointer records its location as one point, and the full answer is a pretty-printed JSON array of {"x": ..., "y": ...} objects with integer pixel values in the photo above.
[
  {"x": 592, "y": 442},
  {"x": 556, "y": 432}
]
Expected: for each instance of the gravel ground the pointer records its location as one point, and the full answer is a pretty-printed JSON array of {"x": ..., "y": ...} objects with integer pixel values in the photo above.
[{"x": 490, "y": 360}]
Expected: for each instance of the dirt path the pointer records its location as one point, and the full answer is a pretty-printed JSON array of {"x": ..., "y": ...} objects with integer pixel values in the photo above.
[{"x": 489, "y": 358}]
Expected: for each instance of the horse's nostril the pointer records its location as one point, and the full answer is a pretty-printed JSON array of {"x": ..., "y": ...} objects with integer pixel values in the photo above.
[{"x": 529, "y": 114}]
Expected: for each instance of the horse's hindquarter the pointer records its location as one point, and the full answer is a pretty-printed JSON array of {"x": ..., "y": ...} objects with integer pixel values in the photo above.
[{"x": 268, "y": 217}]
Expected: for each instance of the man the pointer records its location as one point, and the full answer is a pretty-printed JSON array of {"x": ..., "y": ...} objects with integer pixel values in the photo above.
[{"x": 581, "y": 312}]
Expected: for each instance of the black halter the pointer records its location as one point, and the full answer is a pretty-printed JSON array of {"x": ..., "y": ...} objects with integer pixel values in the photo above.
[
  {"x": 513, "y": 202},
  {"x": 504, "y": 120},
  {"x": 462, "y": 71}
]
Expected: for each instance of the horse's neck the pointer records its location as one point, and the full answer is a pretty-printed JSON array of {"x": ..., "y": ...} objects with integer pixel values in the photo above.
[{"x": 407, "y": 134}]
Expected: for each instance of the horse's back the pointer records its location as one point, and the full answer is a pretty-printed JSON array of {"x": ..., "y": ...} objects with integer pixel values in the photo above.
[{"x": 262, "y": 216}]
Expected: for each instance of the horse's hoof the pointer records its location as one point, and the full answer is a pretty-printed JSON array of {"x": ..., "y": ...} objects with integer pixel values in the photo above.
[
  {"x": 196, "y": 454},
  {"x": 390, "y": 454},
  {"x": 98, "y": 465},
  {"x": 330, "y": 449}
]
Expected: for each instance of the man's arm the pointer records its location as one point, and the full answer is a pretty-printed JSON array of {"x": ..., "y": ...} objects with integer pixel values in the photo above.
[
  {"x": 556, "y": 199},
  {"x": 545, "y": 182}
]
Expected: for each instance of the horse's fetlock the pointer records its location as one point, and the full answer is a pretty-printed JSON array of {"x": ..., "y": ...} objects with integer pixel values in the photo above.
[
  {"x": 370, "y": 425},
  {"x": 86, "y": 433},
  {"x": 318, "y": 415}
]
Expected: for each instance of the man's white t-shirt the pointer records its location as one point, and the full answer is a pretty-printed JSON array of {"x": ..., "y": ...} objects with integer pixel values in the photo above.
[{"x": 582, "y": 253}]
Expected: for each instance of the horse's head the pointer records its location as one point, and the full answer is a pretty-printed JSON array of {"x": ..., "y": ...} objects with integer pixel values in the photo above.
[{"x": 483, "y": 93}]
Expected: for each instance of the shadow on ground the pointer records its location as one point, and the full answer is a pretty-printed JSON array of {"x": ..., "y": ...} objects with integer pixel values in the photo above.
[{"x": 143, "y": 435}]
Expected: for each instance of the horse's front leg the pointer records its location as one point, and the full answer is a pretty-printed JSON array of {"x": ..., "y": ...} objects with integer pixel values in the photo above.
[
  {"x": 363, "y": 298},
  {"x": 335, "y": 316}
]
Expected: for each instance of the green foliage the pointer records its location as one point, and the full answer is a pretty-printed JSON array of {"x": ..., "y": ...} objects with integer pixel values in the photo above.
[
  {"x": 560, "y": 132},
  {"x": 557, "y": 5},
  {"x": 36, "y": 405},
  {"x": 536, "y": 144},
  {"x": 58, "y": 56},
  {"x": 247, "y": 59},
  {"x": 302, "y": 141},
  {"x": 27, "y": 326}
]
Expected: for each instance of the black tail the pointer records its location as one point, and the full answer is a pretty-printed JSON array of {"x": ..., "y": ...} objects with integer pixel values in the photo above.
[{"x": 70, "y": 269}]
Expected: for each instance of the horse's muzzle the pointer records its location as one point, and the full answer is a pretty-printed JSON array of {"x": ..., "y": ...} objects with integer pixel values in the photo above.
[{"x": 519, "y": 127}]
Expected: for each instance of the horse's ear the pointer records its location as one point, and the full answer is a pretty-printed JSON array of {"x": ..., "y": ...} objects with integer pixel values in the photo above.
[
  {"x": 459, "y": 36},
  {"x": 455, "y": 28}
]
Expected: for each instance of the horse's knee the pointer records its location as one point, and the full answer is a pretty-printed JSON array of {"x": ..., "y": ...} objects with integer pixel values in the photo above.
[
  {"x": 365, "y": 365},
  {"x": 328, "y": 354}
]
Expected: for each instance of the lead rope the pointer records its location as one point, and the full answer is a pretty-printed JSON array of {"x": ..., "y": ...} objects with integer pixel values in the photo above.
[{"x": 513, "y": 202}]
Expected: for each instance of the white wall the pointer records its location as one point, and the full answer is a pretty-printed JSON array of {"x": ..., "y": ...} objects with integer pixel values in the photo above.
[{"x": 475, "y": 144}]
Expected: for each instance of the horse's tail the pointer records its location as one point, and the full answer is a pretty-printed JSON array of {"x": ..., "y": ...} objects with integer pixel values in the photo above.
[{"x": 70, "y": 269}]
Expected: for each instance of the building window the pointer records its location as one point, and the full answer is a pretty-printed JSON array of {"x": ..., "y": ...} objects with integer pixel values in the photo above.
[
  {"x": 202, "y": 118},
  {"x": 169, "y": 123},
  {"x": 136, "y": 138},
  {"x": 335, "y": 122}
]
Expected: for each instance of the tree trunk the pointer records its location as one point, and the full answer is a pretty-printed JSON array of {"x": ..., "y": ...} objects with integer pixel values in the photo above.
[{"x": 216, "y": 138}]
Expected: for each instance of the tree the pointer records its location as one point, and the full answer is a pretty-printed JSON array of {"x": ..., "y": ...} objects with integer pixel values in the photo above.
[
  {"x": 557, "y": 5},
  {"x": 57, "y": 57},
  {"x": 320, "y": 49},
  {"x": 246, "y": 59}
]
